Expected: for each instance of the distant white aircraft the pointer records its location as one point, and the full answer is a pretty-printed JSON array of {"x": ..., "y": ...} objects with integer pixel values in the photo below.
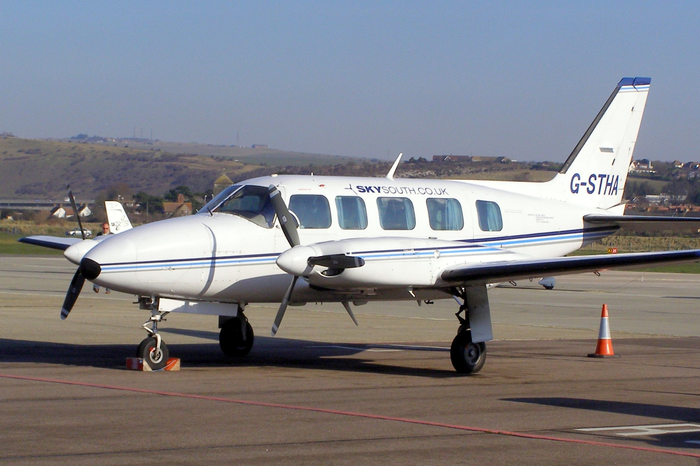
[
  {"x": 293, "y": 239},
  {"x": 116, "y": 217}
]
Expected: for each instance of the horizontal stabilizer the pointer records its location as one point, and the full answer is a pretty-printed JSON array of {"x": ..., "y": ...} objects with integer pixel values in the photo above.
[{"x": 514, "y": 270}]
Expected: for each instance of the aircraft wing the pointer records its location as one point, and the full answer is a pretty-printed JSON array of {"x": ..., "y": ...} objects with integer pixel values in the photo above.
[
  {"x": 638, "y": 219},
  {"x": 518, "y": 269},
  {"x": 53, "y": 242}
]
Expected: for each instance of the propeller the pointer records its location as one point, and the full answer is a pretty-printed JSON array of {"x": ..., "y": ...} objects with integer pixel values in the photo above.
[
  {"x": 289, "y": 227},
  {"x": 75, "y": 210},
  {"x": 76, "y": 284},
  {"x": 298, "y": 261}
]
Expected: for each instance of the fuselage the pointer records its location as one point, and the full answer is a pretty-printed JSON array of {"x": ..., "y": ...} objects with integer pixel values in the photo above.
[{"x": 407, "y": 231}]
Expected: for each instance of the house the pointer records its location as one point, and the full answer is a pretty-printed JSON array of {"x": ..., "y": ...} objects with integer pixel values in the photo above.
[
  {"x": 67, "y": 212},
  {"x": 469, "y": 158},
  {"x": 642, "y": 166},
  {"x": 222, "y": 183},
  {"x": 84, "y": 211},
  {"x": 180, "y": 208},
  {"x": 60, "y": 212},
  {"x": 452, "y": 158}
]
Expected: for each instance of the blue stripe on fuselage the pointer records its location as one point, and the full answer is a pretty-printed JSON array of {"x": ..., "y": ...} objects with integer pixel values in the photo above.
[{"x": 487, "y": 246}]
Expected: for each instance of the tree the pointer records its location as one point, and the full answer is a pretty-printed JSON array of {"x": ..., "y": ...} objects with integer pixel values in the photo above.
[
  {"x": 173, "y": 193},
  {"x": 149, "y": 204}
]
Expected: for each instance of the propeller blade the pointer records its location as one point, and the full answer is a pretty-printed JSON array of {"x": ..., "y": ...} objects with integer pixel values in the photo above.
[
  {"x": 75, "y": 212},
  {"x": 283, "y": 306},
  {"x": 337, "y": 261},
  {"x": 289, "y": 227},
  {"x": 347, "y": 307},
  {"x": 76, "y": 285}
]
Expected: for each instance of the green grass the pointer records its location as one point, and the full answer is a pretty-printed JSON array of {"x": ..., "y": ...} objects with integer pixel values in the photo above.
[
  {"x": 677, "y": 268},
  {"x": 10, "y": 245}
]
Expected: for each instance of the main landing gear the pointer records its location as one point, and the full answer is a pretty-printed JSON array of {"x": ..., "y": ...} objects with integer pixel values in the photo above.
[
  {"x": 236, "y": 336},
  {"x": 153, "y": 349},
  {"x": 467, "y": 356}
]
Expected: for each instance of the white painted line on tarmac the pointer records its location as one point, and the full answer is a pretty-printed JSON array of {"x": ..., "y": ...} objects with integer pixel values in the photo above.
[{"x": 654, "y": 429}]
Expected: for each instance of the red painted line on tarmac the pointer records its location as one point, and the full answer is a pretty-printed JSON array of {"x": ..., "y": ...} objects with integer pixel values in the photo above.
[{"x": 353, "y": 414}]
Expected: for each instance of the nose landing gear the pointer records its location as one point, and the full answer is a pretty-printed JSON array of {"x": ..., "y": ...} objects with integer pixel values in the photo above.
[{"x": 153, "y": 349}]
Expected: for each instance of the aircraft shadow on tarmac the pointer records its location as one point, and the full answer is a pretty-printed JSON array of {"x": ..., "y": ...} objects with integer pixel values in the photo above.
[
  {"x": 658, "y": 414},
  {"x": 268, "y": 351}
]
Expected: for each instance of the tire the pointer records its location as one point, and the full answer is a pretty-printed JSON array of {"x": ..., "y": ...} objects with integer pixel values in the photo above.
[
  {"x": 156, "y": 360},
  {"x": 467, "y": 357},
  {"x": 231, "y": 338}
]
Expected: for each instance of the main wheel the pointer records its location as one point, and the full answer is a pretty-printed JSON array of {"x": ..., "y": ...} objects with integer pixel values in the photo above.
[
  {"x": 232, "y": 340},
  {"x": 467, "y": 357},
  {"x": 155, "y": 358}
]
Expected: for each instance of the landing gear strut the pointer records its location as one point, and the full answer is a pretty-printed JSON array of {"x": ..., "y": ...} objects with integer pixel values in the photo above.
[
  {"x": 153, "y": 349},
  {"x": 467, "y": 356},
  {"x": 236, "y": 336}
]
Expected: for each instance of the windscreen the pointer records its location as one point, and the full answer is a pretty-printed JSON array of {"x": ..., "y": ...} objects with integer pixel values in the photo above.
[{"x": 250, "y": 202}]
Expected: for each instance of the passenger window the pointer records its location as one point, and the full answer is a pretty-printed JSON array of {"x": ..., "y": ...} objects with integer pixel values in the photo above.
[
  {"x": 396, "y": 213},
  {"x": 352, "y": 214},
  {"x": 490, "y": 218},
  {"x": 312, "y": 210},
  {"x": 445, "y": 214}
]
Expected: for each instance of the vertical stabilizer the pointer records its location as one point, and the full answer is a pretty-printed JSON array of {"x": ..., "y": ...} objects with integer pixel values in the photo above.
[
  {"x": 595, "y": 173},
  {"x": 116, "y": 217}
]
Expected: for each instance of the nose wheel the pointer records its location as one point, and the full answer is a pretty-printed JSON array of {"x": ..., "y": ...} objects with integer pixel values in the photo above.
[{"x": 154, "y": 352}]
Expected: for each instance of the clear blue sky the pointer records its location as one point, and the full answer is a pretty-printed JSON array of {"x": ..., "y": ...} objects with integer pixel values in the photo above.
[{"x": 369, "y": 79}]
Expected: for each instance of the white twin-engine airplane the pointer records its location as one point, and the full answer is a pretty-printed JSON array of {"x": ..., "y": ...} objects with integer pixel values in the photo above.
[{"x": 296, "y": 239}]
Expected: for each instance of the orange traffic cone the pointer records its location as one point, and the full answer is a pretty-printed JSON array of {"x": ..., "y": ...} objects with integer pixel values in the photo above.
[{"x": 604, "y": 348}]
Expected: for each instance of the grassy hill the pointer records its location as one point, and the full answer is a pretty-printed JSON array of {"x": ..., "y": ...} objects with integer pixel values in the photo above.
[
  {"x": 248, "y": 155},
  {"x": 40, "y": 169}
]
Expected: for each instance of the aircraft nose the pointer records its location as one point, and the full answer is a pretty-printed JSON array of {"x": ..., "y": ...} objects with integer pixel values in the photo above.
[{"x": 90, "y": 269}]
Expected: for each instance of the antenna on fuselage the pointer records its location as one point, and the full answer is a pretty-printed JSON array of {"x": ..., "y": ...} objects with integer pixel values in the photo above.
[{"x": 392, "y": 170}]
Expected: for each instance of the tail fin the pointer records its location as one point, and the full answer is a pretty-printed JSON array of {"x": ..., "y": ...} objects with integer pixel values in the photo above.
[
  {"x": 116, "y": 217},
  {"x": 595, "y": 173}
]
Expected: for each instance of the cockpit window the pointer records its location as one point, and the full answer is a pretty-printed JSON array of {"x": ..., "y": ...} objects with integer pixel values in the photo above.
[
  {"x": 219, "y": 198},
  {"x": 250, "y": 202}
]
